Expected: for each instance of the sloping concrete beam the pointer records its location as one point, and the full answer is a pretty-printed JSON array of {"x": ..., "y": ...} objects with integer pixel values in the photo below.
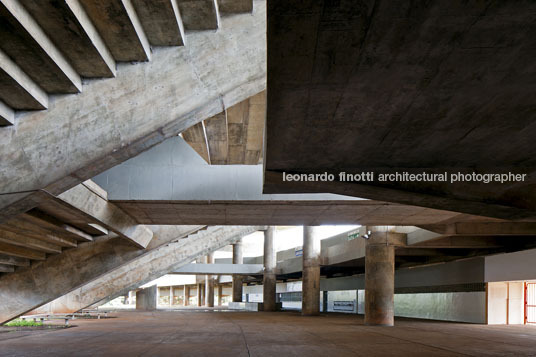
[
  {"x": 44, "y": 220},
  {"x": 112, "y": 121},
  {"x": 7, "y": 115},
  {"x": 161, "y": 21},
  {"x": 120, "y": 27},
  {"x": 17, "y": 90},
  {"x": 21, "y": 226},
  {"x": 27, "y": 44},
  {"x": 196, "y": 137},
  {"x": 44, "y": 281},
  {"x": 199, "y": 14},
  {"x": 220, "y": 269},
  {"x": 484, "y": 228},
  {"x": 69, "y": 27},
  {"x": 96, "y": 208},
  {"x": 148, "y": 267}
]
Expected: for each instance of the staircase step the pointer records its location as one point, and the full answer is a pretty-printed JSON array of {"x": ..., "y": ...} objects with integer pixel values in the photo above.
[
  {"x": 199, "y": 14},
  {"x": 69, "y": 27},
  {"x": 161, "y": 21},
  {"x": 120, "y": 27},
  {"x": 235, "y": 6}
]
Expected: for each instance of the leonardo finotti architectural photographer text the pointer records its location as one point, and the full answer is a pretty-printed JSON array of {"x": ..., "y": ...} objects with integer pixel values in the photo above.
[{"x": 370, "y": 176}]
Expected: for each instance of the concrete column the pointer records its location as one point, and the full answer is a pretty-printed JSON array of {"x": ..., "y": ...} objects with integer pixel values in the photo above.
[
  {"x": 209, "y": 284},
  {"x": 171, "y": 296},
  {"x": 379, "y": 280},
  {"x": 157, "y": 296},
  {"x": 324, "y": 301},
  {"x": 199, "y": 294},
  {"x": 238, "y": 281},
  {"x": 269, "y": 279},
  {"x": 146, "y": 299},
  {"x": 186, "y": 301},
  {"x": 131, "y": 295},
  {"x": 220, "y": 292},
  {"x": 311, "y": 272}
]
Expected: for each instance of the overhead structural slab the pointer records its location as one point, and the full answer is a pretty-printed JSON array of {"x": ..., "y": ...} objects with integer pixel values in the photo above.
[{"x": 398, "y": 86}]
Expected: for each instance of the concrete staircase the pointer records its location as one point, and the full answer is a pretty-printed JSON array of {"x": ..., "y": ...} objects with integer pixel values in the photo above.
[{"x": 50, "y": 47}]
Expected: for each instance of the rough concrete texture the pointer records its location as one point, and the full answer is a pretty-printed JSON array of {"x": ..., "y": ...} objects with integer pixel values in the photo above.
[
  {"x": 238, "y": 258},
  {"x": 44, "y": 281},
  {"x": 113, "y": 120},
  {"x": 161, "y": 21},
  {"x": 146, "y": 298},
  {"x": 209, "y": 283},
  {"x": 235, "y": 6},
  {"x": 119, "y": 280},
  {"x": 379, "y": 281},
  {"x": 269, "y": 277},
  {"x": 173, "y": 333},
  {"x": 404, "y": 86},
  {"x": 199, "y": 14},
  {"x": 311, "y": 272}
]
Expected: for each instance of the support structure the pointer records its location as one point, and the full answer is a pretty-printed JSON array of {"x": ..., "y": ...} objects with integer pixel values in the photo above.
[
  {"x": 209, "y": 284},
  {"x": 171, "y": 296},
  {"x": 199, "y": 294},
  {"x": 379, "y": 280},
  {"x": 147, "y": 299},
  {"x": 238, "y": 258},
  {"x": 186, "y": 290},
  {"x": 311, "y": 272},
  {"x": 220, "y": 293},
  {"x": 269, "y": 278}
]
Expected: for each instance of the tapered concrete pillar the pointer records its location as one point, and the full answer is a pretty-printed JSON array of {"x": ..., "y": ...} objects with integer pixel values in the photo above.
[
  {"x": 186, "y": 290},
  {"x": 379, "y": 280},
  {"x": 269, "y": 279},
  {"x": 171, "y": 296},
  {"x": 238, "y": 281},
  {"x": 311, "y": 272},
  {"x": 220, "y": 293},
  {"x": 209, "y": 284}
]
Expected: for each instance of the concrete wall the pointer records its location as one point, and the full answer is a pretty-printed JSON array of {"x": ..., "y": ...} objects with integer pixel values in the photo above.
[
  {"x": 172, "y": 170},
  {"x": 511, "y": 266},
  {"x": 457, "y": 306}
]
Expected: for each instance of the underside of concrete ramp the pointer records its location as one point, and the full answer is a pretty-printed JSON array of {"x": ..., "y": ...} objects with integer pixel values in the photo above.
[{"x": 398, "y": 86}]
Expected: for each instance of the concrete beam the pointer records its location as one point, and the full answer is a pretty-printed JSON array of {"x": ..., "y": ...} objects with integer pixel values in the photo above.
[
  {"x": 235, "y": 6},
  {"x": 21, "y": 226},
  {"x": 161, "y": 21},
  {"x": 221, "y": 269},
  {"x": 28, "y": 242},
  {"x": 31, "y": 287},
  {"x": 11, "y": 260},
  {"x": 17, "y": 89},
  {"x": 199, "y": 14},
  {"x": 4, "y": 268},
  {"x": 148, "y": 267},
  {"x": 97, "y": 209},
  {"x": 69, "y": 27},
  {"x": 7, "y": 115},
  {"x": 21, "y": 252},
  {"x": 99, "y": 129},
  {"x": 217, "y": 139},
  {"x": 43, "y": 220},
  {"x": 27, "y": 44},
  {"x": 120, "y": 27}
]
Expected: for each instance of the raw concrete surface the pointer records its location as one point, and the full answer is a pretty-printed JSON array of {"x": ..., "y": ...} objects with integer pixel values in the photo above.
[{"x": 212, "y": 333}]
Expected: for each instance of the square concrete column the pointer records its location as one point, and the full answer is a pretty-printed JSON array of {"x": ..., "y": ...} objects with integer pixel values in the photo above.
[
  {"x": 311, "y": 272},
  {"x": 269, "y": 278},
  {"x": 186, "y": 301},
  {"x": 379, "y": 279},
  {"x": 209, "y": 284},
  {"x": 146, "y": 298},
  {"x": 220, "y": 292},
  {"x": 238, "y": 281}
]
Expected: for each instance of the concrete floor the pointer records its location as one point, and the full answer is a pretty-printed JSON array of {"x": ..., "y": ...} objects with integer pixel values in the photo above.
[{"x": 212, "y": 333}]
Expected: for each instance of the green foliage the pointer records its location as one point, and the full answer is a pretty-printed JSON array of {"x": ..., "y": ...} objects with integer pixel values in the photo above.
[{"x": 23, "y": 323}]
